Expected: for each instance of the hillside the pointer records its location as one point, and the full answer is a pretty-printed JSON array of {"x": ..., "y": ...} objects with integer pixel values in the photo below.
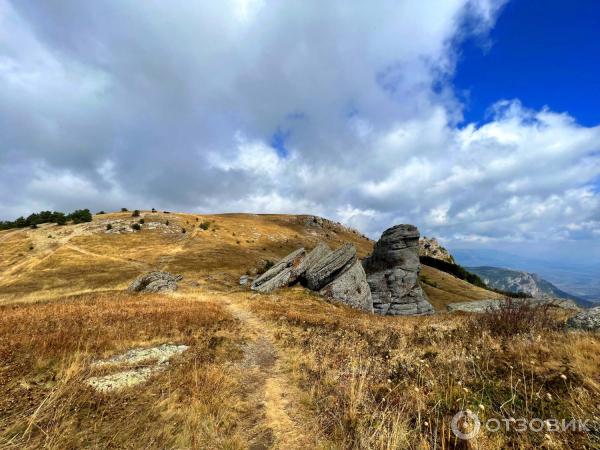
[
  {"x": 519, "y": 281},
  {"x": 86, "y": 364},
  {"x": 52, "y": 260}
]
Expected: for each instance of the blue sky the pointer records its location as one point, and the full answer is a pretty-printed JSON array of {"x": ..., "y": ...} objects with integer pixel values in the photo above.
[
  {"x": 543, "y": 52},
  {"x": 476, "y": 120}
]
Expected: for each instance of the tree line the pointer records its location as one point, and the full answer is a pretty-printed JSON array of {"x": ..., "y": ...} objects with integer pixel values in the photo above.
[{"x": 59, "y": 218}]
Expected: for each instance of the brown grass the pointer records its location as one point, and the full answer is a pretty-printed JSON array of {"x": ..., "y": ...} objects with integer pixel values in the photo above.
[
  {"x": 387, "y": 383},
  {"x": 45, "y": 351}
]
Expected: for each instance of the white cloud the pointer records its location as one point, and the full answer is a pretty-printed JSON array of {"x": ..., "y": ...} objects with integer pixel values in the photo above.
[{"x": 175, "y": 105}]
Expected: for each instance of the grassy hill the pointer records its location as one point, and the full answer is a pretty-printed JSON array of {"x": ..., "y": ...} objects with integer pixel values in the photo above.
[
  {"x": 285, "y": 370},
  {"x": 52, "y": 260}
]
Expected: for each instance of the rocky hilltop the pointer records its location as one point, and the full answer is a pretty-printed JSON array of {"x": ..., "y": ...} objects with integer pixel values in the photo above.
[{"x": 432, "y": 248}]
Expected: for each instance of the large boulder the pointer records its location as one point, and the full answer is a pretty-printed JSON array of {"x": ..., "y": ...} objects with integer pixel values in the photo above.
[
  {"x": 587, "y": 320},
  {"x": 393, "y": 273},
  {"x": 329, "y": 267},
  {"x": 313, "y": 257},
  {"x": 351, "y": 288},
  {"x": 283, "y": 273},
  {"x": 155, "y": 282}
]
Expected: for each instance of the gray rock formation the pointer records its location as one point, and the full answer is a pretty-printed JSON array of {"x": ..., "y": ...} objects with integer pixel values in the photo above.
[
  {"x": 316, "y": 254},
  {"x": 432, "y": 248},
  {"x": 335, "y": 274},
  {"x": 587, "y": 320},
  {"x": 351, "y": 288},
  {"x": 244, "y": 280},
  {"x": 155, "y": 282},
  {"x": 482, "y": 306},
  {"x": 329, "y": 267},
  {"x": 281, "y": 274},
  {"x": 393, "y": 273}
]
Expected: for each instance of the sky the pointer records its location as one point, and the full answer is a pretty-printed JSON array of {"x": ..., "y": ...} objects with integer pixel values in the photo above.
[{"x": 476, "y": 120}]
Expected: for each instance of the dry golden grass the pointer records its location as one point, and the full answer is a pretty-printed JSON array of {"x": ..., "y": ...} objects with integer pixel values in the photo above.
[
  {"x": 386, "y": 383},
  {"x": 45, "y": 355},
  {"x": 283, "y": 371},
  {"x": 443, "y": 288}
]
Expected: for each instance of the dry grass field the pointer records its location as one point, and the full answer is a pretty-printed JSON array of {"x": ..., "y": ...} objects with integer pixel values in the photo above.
[{"x": 285, "y": 370}]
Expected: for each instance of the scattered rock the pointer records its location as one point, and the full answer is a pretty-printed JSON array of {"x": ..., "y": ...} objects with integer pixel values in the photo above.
[
  {"x": 244, "y": 280},
  {"x": 283, "y": 273},
  {"x": 393, "y": 273},
  {"x": 155, "y": 282},
  {"x": 327, "y": 268},
  {"x": 351, "y": 288},
  {"x": 482, "y": 306},
  {"x": 587, "y": 320}
]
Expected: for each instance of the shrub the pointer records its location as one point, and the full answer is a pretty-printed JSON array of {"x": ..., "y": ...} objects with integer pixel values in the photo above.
[
  {"x": 80, "y": 216},
  {"x": 33, "y": 226},
  {"x": 183, "y": 230},
  {"x": 136, "y": 226},
  {"x": 153, "y": 210},
  {"x": 108, "y": 227},
  {"x": 100, "y": 212},
  {"x": 512, "y": 317},
  {"x": 136, "y": 213},
  {"x": 142, "y": 221},
  {"x": 167, "y": 223},
  {"x": 204, "y": 225},
  {"x": 124, "y": 210}
]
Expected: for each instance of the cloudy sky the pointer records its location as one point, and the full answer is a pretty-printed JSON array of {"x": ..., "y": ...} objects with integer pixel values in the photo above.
[{"x": 371, "y": 113}]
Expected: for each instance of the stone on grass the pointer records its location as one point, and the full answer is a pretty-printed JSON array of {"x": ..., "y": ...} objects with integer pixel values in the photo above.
[
  {"x": 155, "y": 282},
  {"x": 283, "y": 273}
]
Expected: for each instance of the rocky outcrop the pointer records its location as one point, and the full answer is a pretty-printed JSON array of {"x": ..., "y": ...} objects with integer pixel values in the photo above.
[
  {"x": 155, "y": 282},
  {"x": 393, "y": 273},
  {"x": 432, "y": 248},
  {"x": 283, "y": 273},
  {"x": 327, "y": 268},
  {"x": 482, "y": 306},
  {"x": 351, "y": 288},
  {"x": 587, "y": 320},
  {"x": 337, "y": 275}
]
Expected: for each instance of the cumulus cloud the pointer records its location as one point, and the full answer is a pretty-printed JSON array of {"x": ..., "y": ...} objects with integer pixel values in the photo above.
[{"x": 343, "y": 109}]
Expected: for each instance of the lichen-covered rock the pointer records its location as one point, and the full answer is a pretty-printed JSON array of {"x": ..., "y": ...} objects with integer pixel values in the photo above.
[
  {"x": 326, "y": 269},
  {"x": 587, "y": 320},
  {"x": 155, "y": 282},
  {"x": 351, "y": 288},
  {"x": 482, "y": 306},
  {"x": 314, "y": 256},
  {"x": 283, "y": 273},
  {"x": 393, "y": 273}
]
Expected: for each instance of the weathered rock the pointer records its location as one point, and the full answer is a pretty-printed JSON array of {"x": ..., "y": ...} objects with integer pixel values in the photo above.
[
  {"x": 351, "y": 288},
  {"x": 482, "y": 306},
  {"x": 587, "y": 320},
  {"x": 432, "y": 248},
  {"x": 393, "y": 273},
  {"x": 332, "y": 264},
  {"x": 283, "y": 273},
  {"x": 155, "y": 282},
  {"x": 315, "y": 255},
  {"x": 244, "y": 280}
]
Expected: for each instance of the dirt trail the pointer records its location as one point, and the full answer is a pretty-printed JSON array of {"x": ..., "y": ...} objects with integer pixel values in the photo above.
[{"x": 261, "y": 352}]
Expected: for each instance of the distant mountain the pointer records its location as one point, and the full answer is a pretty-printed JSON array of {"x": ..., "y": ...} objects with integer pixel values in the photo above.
[
  {"x": 519, "y": 281},
  {"x": 578, "y": 275}
]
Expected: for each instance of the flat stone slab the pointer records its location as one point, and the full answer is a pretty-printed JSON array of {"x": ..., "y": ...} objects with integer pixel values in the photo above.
[
  {"x": 283, "y": 273},
  {"x": 482, "y": 306},
  {"x": 152, "y": 361}
]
